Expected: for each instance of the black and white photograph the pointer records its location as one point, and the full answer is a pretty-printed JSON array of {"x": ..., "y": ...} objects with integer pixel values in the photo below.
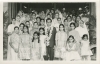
[{"x": 49, "y": 31}]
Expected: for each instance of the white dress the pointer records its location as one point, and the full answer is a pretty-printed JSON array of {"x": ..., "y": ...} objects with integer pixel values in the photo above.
[
  {"x": 72, "y": 55},
  {"x": 61, "y": 38},
  {"x": 35, "y": 50},
  {"x": 85, "y": 48},
  {"x": 43, "y": 45}
]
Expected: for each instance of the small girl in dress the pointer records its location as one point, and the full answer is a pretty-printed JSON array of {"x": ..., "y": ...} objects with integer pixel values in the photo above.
[
  {"x": 85, "y": 48},
  {"x": 72, "y": 50},
  {"x": 42, "y": 43},
  {"x": 35, "y": 47}
]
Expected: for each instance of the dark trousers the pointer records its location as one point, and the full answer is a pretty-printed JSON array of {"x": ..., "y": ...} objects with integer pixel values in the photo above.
[{"x": 50, "y": 53}]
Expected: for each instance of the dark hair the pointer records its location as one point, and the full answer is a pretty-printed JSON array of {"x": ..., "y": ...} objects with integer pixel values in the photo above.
[
  {"x": 68, "y": 16},
  {"x": 79, "y": 17},
  {"x": 85, "y": 35},
  {"x": 37, "y": 18},
  {"x": 56, "y": 13},
  {"x": 35, "y": 22},
  {"x": 48, "y": 14},
  {"x": 33, "y": 13},
  {"x": 73, "y": 15},
  {"x": 61, "y": 25},
  {"x": 58, "y": 18},
  {"x": 27, "y": 29},
  {"x": 71, "y": 37},
  {"x": 43, "y": 30},
  {"x": 22, "y": 24},
  {"x": 43, "y": 19},
  {"x": 27, "y": 21},
  {"x": 13, "y": 18},
  {"x": 38, "y": 38},
  {"x": 65, "y": 19},
  {"x": 72, "y": 24},
  {"x": 16, "y": 27},
  {"x": 48, "y": 19}
]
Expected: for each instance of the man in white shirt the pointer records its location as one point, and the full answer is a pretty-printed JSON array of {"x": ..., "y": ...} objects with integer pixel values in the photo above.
[
  {"x": 11, "y": 27},
  {"x": 10, "y": 30}
]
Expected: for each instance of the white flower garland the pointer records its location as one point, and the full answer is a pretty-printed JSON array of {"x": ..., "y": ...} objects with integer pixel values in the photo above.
[{"x": 48, "y": 37}]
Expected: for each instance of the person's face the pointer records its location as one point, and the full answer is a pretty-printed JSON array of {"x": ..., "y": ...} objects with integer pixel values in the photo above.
[
  {"x": 42, "y": 22},
  {"x": 18, "y": 18},
  {"x": 48, "y": 11},
  {"x": 74, "y": 18},
  {"x": 48, "y": 16},
  {"x": 71, "y": 39},
  {"x": 38, "y": 20},
  {"x": 63, "y": 9},
  {"x": 85, "y": 38},
  {"x": 13, "y": 21},
  {"x": 35, "y": 36},
  {"x": 48, "y": 22},
  {"x": 41, "y": 31},
  {"x": 72, "y": 27},
  {"x": 59, "y": 21},
  {"x": 28, "y": 24},
  {"x": 69, "y": 19},
  {"x": 34, "y": 16},
  {"x": 56, "y": 15},
  {"x": 81, "y": 24},
  {"x": 21, "y": 27},
  {"x": 25, "y": 30},
  {"x": 16, "y": 30},
  {"x": 78, "y": 19},
  {"x": 66, "y": 23},
  {"x": 61, "y": 28},
  {"x": 52, "y": 11},
  {"x": 35, "y": 25}
]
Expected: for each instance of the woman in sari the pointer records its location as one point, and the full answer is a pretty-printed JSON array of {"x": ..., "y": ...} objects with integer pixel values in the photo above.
[
  {"x": 14, "y": 43},
  {"x": 25, "y": 47}
]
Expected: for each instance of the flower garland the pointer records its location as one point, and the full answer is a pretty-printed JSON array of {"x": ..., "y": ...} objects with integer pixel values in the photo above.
[{"x": 48, "y": 36}]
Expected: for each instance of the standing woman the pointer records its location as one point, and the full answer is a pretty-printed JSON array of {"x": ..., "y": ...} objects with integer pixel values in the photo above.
[
  {"x": 42, "y": 43},
  {"x": 14, "y": 44},
  {"x": 61, "y": 38},
  {"x": 24, "y": 48}
]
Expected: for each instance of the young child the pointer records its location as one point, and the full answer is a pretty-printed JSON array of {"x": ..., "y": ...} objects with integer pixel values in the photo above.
[
  {"x": 85, "y": 48},
  {"x": 35, "y": 47},
  {"x": 72, "y": 50},
  {"x": 42, "y": 43}
]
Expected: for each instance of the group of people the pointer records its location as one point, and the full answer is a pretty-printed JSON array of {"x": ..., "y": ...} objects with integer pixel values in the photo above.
[{"x": 48, "y": 36}]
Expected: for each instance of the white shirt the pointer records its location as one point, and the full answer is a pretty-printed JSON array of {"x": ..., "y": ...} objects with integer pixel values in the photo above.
[
  {"x": 82, "y": 31},
  {"x": 11, "y": 28}
]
